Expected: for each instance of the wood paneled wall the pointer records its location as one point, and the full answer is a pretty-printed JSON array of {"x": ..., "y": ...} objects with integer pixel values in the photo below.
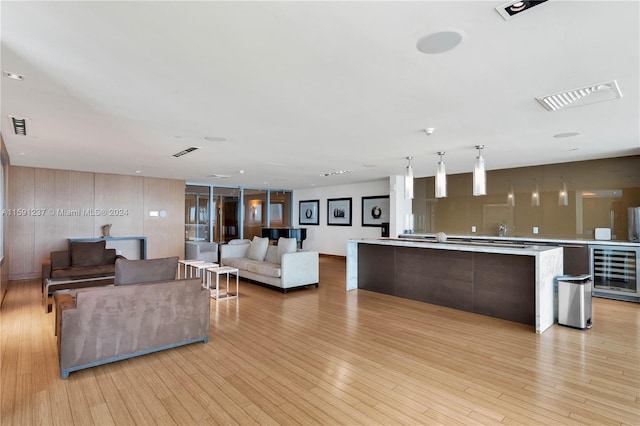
[
  {"x": 77, "y": 204},
  {"x": 167, "y": 195}
]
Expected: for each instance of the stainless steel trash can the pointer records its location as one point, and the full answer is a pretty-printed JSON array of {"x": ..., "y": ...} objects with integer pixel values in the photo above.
[{"x": 574, "y": 301}]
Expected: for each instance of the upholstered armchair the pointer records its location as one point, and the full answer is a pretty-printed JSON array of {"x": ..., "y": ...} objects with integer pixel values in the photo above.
[{"x": 201, "y": 250}]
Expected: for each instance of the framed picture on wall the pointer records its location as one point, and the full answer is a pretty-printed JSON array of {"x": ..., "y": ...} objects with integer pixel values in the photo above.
[
  {"x": 339, "y": 211},
  {"x": 375, "y": 210},
  {"x": 308, "y": 212}
]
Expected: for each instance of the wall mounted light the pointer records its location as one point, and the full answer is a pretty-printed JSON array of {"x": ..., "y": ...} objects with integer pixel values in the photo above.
[
  {"x": 563, "y": 196},
  {"x": 441, "y": 178},
  {"x": 408, "y": 180},
  {"x": 479, "y": 174},
  {"x": 511, "y": 197},
  {"x": 535, "y": 195}
]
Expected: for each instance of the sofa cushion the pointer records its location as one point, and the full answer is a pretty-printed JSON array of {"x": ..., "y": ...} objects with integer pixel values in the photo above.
[
  {"x": 258, "y": 248},
  {"x": 238, "y": 241},
  {"x": 109, "y": 257},
  {"x": 286, "y": 245},
  {"x": 83, "y": 272},
  {"x": 147, "y": 270},
  {"x": 272, "y": 255},
  {"x": 264, "y": 268},
  {"x": 60, "y": 259},
  {"x": 87, "y": 253},
  {"x": 238, "y": 262}
]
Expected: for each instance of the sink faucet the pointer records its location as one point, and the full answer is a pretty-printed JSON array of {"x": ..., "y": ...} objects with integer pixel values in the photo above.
[{"x": 502, "y": 230}]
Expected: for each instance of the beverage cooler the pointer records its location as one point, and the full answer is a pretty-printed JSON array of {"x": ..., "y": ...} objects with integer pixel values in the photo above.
[{"x": 615, "y": 271}]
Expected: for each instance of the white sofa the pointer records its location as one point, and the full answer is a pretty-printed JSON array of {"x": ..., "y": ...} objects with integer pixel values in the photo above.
[{"x": 281, "y": 266}]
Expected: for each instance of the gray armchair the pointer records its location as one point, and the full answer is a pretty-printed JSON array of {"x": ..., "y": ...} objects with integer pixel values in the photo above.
[{"x": 201, "y": 250}]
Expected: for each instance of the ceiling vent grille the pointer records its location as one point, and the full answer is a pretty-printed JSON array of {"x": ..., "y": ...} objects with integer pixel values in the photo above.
[
  {"x": 185, "y": 151},
  {"x": 19, "y": 126},
  {"x": 582, "y": 96}
]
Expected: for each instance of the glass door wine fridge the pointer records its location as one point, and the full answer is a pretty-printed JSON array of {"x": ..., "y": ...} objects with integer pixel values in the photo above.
[{"x": 615, "y": 271}]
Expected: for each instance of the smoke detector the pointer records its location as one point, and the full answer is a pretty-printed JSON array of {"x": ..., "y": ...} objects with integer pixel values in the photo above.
[{"x": 583, "y": 96}]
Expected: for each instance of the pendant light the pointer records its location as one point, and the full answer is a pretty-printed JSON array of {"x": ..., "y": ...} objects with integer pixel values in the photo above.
[
  {"x": 535, "y": 195},
  {"x": 441, "y": 178},
  {"x": 408, "y": 181},
  {"x": 511, "y": 197},
  {"x": 563, "y": 196},
  {"x": 479, "y": 174}
]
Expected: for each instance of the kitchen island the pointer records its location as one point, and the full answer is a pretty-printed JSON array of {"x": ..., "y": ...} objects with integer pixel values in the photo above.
[{"x": 508, "y": 281}]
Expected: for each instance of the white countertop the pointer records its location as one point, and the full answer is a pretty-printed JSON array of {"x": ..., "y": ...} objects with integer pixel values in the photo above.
[
  {"x": 513, "y": 249},
  {"x": 527, "y": 239}
]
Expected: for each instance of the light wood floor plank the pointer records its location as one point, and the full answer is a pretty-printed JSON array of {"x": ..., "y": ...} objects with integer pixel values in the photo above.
[{"x": 325, "y": 357}]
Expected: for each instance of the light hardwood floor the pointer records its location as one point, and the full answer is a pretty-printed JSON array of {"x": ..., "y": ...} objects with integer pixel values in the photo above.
[{"x": 327, "y": 356}]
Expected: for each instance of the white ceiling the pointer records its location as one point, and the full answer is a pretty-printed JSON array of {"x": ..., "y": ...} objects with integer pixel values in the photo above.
[{"x": 298, "y": 89}]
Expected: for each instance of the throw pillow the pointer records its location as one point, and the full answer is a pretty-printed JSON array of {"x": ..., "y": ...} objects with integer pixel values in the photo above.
[
  {"x": 145, "y": 270},
  {"x": 272, "y": 255},
  {"x": 258, "y": 248},
  {"x": 87, "y": 253},
  {"x": 286, "y": 245}
]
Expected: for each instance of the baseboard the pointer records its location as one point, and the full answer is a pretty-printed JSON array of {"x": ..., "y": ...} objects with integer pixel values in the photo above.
[{"x": 23, "y": 277}]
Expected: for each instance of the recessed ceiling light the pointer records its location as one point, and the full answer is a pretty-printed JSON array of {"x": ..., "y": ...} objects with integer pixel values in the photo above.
[
  {"x": 566, "y": 135},
  {"x": 215, "y": 139},
  {"x": 439, "y": 42},
  {"x": 138, "y": 171},
  {"x": 241, "y": 172},
  {"x": 513, "y": 8},
  {"x": 13, "y": 75},
  {"x": 517, "y": 6},
  {"x": 219, "y": 176}
]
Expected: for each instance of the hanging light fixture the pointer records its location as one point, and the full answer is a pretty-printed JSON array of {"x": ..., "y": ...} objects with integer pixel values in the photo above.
[
  {"x": 511, "y": 198},
  {"x": 479, "y": 174},
  {"x": 563, "y": 196},
  {"x": 441, "y": 178},
  {"x": 408, "y": 180},
  {"x": 535, "y": 195}
]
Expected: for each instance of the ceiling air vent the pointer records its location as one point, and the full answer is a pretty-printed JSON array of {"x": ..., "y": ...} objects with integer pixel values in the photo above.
[
  {"x": 582, "y": 96},
  {"x": 19, "y": 126},
  {"x": 185, "y": 151}
]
